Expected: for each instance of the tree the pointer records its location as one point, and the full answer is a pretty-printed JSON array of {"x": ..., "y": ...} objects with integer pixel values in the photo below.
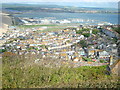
[
  {"x": 95, "y": 31},
  {"x": 83, "y": 43},
  {"x": 84, "y": 46},
  {"x": 86, "y": 34},
  {"x": 79, "y": 32},
  {"x": 86, "y": 29}
]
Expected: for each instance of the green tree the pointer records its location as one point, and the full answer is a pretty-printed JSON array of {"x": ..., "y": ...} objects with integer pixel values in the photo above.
[
  {"x": 95, "y": 31},
  {"x": 86, "y": 29},
  {"x": 79, "y": 32},
  {"x": 86, "y": 34},
  {"x": 83, "y": 43}
]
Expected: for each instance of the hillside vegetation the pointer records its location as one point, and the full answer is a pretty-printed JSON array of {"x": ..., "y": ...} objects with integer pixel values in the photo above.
[{"x": 16, "y": 75}]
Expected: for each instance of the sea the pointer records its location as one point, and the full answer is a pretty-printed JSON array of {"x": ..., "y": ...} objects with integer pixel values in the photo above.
[{"x": 98, "y": 17}]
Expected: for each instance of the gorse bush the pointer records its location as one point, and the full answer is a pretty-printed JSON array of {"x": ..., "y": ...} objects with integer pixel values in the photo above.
[{"x": 17, "y": 75}]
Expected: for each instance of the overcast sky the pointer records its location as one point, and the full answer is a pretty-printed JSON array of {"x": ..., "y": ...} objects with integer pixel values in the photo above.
[{"x": 10, "y": 1}]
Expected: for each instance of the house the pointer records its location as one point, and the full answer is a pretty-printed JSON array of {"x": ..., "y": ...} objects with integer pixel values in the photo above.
[
  {"x": 92, "y": 53},
  {"x": 104, "y": 55},
  {"x": 8, "y": 54},
  {"x": 110, "y": 33},
  {"x": 81, "y": 53},
  {"x": 21, "y": 47},
  {"x": 76, "y": 59},
  {"x": 21, "y": 52},
  {"x": 81, "y": 37}
]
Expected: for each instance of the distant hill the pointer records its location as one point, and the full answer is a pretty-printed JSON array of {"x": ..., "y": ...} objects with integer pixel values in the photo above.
[
  {"x": 6, "y": 19},
  {"x": 64, "y": 7},
  {"x": 76, "y": 4},
  {"x": 9, "y": 20}
]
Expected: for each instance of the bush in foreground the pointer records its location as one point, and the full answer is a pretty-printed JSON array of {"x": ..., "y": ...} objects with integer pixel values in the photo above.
[{"x": 16, "y": 75}]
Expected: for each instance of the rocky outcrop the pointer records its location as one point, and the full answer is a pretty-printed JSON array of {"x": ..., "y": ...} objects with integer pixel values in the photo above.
[
  {"x": 115, "y": 68},
  {"x": 118, "y": 47}
]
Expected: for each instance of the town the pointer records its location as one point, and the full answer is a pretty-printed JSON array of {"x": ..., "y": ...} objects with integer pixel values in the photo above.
[
  {"x": 77, "y": 45},
  {"x": 71, "y": 44}
]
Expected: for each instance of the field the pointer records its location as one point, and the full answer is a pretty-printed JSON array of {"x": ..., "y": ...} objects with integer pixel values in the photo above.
[
  {"x": 16, "y": 75},
  {"x": 50, "y": 27},
  {"x": 32, "y": 26}
]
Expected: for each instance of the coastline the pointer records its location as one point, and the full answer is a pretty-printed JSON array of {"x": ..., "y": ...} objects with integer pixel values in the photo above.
[{"x": 5, "y": 22}]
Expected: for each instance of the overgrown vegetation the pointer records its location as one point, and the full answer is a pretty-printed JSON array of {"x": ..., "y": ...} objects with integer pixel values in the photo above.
[
  {"x": 117, "y": 29},
  {"x": 17, "y": 75}
]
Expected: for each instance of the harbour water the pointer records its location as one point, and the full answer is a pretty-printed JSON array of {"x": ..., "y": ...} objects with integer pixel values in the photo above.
[{"x": 110, "y": 18}]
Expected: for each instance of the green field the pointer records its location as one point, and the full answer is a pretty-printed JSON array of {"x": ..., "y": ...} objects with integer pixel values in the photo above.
[
  {"x": 50, "y": 27},
  {"x": 17, "y": 75},
  {"x": 32, "y": 26}
]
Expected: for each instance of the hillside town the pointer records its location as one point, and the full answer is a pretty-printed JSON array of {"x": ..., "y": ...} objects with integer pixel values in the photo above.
[
  {"x": 56, "y": 44},
  {"x": 74, "y": 46}
]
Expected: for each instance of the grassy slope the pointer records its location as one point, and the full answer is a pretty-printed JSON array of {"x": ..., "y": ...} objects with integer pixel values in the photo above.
[{"x": 15, "y": 75}]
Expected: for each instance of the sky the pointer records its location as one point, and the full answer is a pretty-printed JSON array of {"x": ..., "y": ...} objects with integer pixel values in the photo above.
[
  {"x": 82, "y": 3},
  {"x": 17, "y": 1}
]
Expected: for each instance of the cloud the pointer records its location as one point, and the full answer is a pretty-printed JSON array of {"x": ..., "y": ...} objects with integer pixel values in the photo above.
[{"x": 10, "y": 1}]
